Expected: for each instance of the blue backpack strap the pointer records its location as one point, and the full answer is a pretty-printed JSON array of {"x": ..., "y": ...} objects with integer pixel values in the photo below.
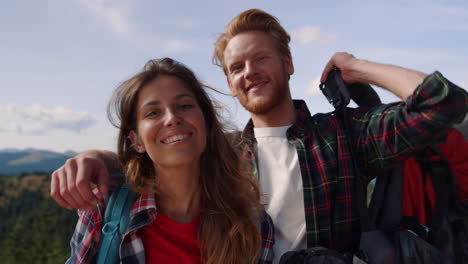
[{"x": 116, "y": 218}]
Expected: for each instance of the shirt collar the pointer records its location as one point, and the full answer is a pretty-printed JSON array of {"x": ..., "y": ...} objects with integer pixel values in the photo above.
[
  {"x": 297, "y": 130},
  {"x": 144, "y": 202},
  {"x": 143, "y": 212}
]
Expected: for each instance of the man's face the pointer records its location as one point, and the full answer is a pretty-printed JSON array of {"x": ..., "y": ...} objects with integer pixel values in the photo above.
[{"x": 256, "y": 72}]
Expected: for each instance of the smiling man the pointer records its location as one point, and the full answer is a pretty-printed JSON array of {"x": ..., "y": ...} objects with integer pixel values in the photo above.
[
  {"x": 303, "y": 162},
  {"x": 257, "y": 75}
]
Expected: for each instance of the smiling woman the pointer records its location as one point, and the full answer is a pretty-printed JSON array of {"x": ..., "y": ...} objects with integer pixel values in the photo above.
[
  {"x": 195, "y": 204},
  {"x": 170, "y": 125}
]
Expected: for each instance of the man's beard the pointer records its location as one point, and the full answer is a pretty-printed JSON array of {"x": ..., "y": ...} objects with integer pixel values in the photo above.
[{"x": 265, "y": 103}]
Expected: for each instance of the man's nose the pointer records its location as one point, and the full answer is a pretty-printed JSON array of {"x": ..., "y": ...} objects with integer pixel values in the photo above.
[{"x": 250, "y": 70}]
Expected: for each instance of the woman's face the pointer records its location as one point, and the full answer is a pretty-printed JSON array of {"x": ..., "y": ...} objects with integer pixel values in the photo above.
[{"x": 170, "y": 124}]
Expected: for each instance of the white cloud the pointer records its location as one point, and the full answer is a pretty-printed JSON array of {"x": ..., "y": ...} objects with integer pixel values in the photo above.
[
  {"x": 311, "y": 35},
  {"x": 313, "y": 88},
  {"x": 37, "y": 119},
  {"x": 113, "y": 13},
  {"x": 117, "y": 15}
]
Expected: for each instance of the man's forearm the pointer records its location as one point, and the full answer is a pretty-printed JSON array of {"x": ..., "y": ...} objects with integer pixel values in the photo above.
[
  {"x": 400, "y": 81},
  {"x": 111, "y": 160}
]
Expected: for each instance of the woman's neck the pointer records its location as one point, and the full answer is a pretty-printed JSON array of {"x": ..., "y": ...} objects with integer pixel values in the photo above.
[{"x": 178, "y": 193}]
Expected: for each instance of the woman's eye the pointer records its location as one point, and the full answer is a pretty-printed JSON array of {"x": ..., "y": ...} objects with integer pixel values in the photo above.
[
  {"x": 152, "y": 113},
  {"x": 186, "y": 106}
]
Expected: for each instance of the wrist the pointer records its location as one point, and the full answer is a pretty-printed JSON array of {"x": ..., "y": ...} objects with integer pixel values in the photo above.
[
  {"x": 111, "y": 161},
  {"x": 359, "y": 71}
]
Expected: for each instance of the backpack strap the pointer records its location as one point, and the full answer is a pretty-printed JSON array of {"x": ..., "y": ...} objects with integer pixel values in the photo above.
[
  {"x": 361, "y": 183},
  {"x": 385, "y": 209},
  {"x": 447, "y": 206},
  {"x": 442, "y": 182},
  {"x": 116, "y": 218},
  {"x": 338, "y": 95}
]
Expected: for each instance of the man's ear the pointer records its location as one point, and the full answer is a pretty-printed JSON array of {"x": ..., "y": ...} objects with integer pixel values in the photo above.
[
  {"x": 136, "y": 142},
  {"x": 233, "y": 91},
  {"x": 288, "y": 64}
]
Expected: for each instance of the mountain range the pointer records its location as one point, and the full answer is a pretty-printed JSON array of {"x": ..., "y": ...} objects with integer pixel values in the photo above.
[
  {"x": 23, "y": 161},
  {"x": 20, "y": 161}
]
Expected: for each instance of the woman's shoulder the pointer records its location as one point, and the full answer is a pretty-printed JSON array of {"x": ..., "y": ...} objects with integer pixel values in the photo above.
[{"x": 95, "y": 214}]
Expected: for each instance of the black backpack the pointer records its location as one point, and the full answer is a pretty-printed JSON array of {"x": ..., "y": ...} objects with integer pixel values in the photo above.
[
  {"x": 387, "y": 236},
  {"x": 390, "y": 237},
  {"x": 315, "y": 255}
]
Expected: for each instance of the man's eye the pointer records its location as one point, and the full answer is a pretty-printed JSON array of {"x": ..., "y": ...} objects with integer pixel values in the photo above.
[{"x": 236, "y": 68}]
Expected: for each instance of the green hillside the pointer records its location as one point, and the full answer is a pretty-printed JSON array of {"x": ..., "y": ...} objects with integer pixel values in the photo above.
[{"x": 33, "y": 229}]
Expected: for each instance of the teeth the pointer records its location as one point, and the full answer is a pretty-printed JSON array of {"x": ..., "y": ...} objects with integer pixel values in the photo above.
[{"x": 175, "y": 138}]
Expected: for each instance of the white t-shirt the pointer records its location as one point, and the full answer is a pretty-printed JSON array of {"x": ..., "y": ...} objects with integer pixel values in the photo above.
[{"x": 281, "y": 188}]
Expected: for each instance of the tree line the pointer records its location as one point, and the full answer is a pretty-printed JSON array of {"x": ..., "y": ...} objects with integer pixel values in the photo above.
[{"x": 33, "y": 228}]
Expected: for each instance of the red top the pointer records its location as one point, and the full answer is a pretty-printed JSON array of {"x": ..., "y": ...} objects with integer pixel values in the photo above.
[
  {"x": 418, "y": 193},
  {"x": 166, "y": 241}
]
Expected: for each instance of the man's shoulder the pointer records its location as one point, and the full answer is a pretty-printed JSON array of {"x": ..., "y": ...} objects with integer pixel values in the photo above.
[
  {"x": 304, "y": 115},
  {"x": 318, "y": 120},
  {"x": 323, "y": 116}
]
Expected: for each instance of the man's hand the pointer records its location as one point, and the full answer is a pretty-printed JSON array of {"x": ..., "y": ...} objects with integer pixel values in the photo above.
[
  {"x": 345, "y": 62},
  {"x": 71, "y": 184},
  {"x": 400, "y": 81}
]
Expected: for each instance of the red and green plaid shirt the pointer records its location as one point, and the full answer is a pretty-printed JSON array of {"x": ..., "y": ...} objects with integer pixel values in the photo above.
[
  {"x": 87, "y": 236},
  {"x": 384, "y": 136}
]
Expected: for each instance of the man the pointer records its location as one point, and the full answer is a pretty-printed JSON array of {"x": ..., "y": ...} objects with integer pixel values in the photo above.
[{"x": 303, "y": 162}]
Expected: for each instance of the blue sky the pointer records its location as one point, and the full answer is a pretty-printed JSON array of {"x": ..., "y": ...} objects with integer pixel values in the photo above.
[{"x": 61, "y": 60}]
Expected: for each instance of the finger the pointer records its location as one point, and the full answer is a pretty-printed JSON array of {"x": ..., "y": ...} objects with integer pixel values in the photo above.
[
  {"x": 72, "y": 178},
  {"x": 327, "y": 69},
  {"x": 103, "y": 180},
  {"x": 68, "y": 188},
  {"x": 63, "y": 190},
  {"x": 54, "y": 190},
  {"x": 83, "y": 181}
]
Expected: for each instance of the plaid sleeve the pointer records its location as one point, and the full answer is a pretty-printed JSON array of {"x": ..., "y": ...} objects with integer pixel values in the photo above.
[
  {"x": 387, "y": 134},
  {"x": 85, "y": 240},
  {"x": 268, "y": 239}
]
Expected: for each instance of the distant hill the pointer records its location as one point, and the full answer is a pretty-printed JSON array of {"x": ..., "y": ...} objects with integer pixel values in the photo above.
[{"x": 16, "y": 162}]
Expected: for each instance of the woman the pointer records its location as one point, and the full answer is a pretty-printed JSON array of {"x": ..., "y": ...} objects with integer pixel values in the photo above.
[{"x": 195, "y": 204}]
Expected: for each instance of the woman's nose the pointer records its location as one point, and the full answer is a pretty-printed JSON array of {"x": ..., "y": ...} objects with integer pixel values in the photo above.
[{"x": 172, "y": 118}]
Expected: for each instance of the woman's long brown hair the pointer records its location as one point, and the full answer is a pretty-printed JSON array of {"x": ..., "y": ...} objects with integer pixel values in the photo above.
[{"x": 229, "y": 229}]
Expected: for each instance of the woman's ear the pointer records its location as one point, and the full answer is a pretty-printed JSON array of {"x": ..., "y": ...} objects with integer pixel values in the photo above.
[{"x": 136, "y": 142}]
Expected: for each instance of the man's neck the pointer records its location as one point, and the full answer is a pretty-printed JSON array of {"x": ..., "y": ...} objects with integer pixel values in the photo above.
[{"x": 280, "y": 115}]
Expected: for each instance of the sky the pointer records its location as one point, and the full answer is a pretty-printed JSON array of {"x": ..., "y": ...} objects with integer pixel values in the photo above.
[{"x": 61, "y": 60}]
